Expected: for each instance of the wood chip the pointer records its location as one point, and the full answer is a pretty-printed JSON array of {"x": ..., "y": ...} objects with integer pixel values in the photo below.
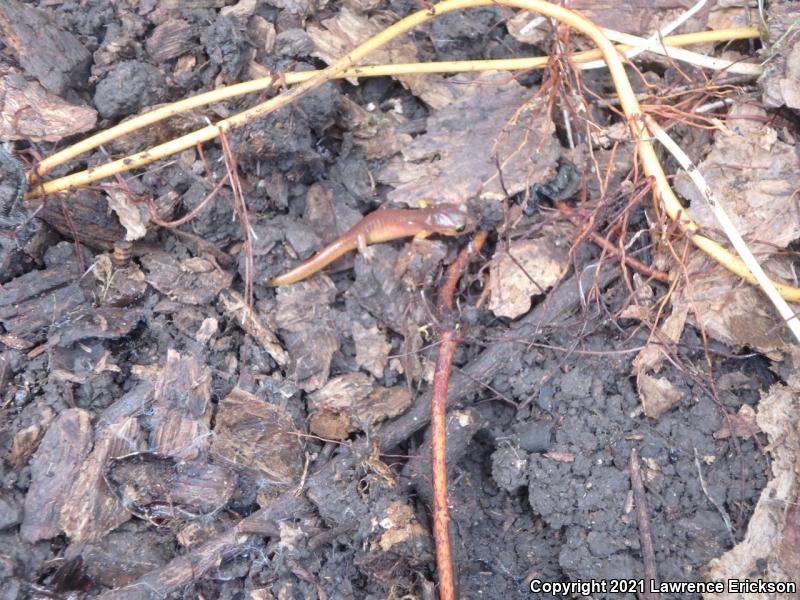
[
  {"x": 27, "y": 439},
  {"x": 350, "y": 402},
  {"x": 258, "y": 325},
  {"x": 181, "y": 408},
  {"x": 257, "y": 436},
  {"x": 171, "y": 39},
  {"x": 53, "y": 56},
  {"x": 372, "y": 349},
  {"x": 307, "y": 326},
  {"x": 29, "y": 112},
  {"x": 30, "y": 320},
  {"x": 54, "y": 469},
  {"x": 192, "y": 281},
  {"x": 90, "y": 509}
]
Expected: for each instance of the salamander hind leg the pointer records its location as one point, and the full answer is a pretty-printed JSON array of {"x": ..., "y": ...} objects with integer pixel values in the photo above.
[{"x": 363, "y": 248}]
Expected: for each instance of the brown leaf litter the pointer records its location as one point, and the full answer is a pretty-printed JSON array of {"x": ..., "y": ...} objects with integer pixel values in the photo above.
[
  {"x": 526, "y": 268},
  {"x": 770, "y": 547},
  {"x": 494, "y": 125},
  {"x": 343, "y": 32}
]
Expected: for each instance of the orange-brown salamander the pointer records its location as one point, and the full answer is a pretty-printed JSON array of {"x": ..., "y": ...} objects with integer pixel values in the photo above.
[{"x": 383, "y": 225}]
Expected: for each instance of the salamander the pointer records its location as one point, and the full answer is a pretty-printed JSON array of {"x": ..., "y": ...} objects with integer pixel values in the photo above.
[{"x": 383, "y": 225}]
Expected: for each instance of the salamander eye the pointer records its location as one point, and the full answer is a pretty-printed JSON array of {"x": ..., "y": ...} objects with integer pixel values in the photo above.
[{"x": 459, "y": 227}]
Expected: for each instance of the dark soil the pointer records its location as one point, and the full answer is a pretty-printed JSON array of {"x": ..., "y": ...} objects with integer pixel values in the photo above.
[{"x": 539, "y": 478}]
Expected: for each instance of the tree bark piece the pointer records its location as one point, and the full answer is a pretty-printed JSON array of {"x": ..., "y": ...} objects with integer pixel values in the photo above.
[
  {"x": 53, "y": 471},
  {"x": 55, "y": 57}
]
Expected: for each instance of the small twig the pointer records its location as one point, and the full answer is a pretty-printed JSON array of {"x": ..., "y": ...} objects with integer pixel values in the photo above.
[
  {"x": 725, "y": 518},
  {"x": 643, "y": 520},
  {"x": 240, "y": 208},
  {"x": 761, "y": 278}
]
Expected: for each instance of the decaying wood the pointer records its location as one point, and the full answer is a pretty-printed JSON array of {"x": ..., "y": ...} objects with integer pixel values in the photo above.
[
  {"x": 96, "y": 226},
  {"x": 462, "y": 425},
  {"x": 30, "y": 112},
  {"x": 91, "y": 510},
  {"x": 95, "y": 323},
  {"x": 53, "y": 471},
  {"x": 55, "y": 57},
  {"x": 255, "y": 324},
  {"x": 33, "y": 302},
  {"x": 562, "y": 302},
  {"x": 160, "y": 582},
  {"x": 181, "y": 410},
  {"x": 170, "y": 39},
  {"x": 259, "y": 437},
  {"x": 155, "y": 486}
]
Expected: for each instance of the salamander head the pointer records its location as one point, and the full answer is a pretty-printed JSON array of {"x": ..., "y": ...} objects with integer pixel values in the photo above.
[{"x": 450, "y": 219}]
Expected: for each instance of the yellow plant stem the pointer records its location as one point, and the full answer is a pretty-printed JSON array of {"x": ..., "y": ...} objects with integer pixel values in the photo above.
[
  {"x": 630, "y": 106},
  {"x": 257, "y": 85}
]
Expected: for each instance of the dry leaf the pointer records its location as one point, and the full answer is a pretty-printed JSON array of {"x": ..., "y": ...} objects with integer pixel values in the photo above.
[
  {"x": 133, "y": 217},
  {"x": 525, "y": 269},
  {"x": 651, "y": 356},
  {"x": 731, "y": 311},
  {"x": 753, "y": 175},
  {"x": 494, "y": 124},
  {"x": 770, "y": 547},
  {"x": 742, "y": 424},
  {"x": 348, "y": 29},
  {"x": 657, "y": 395},
  {"x": 372, "y": 349}
]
